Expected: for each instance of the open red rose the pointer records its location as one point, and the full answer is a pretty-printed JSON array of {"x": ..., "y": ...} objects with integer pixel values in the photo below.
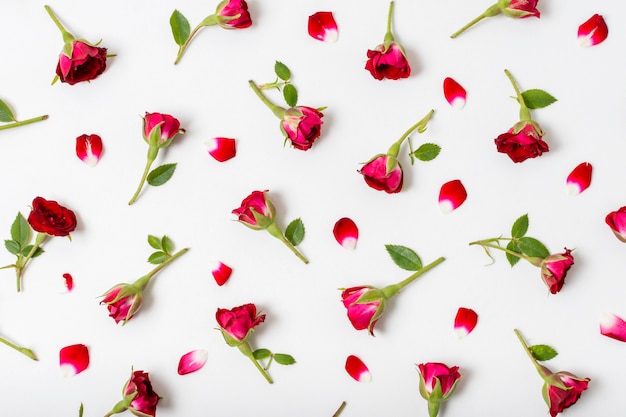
[
  {"x": 524, "y": 144},
  {"x": 85, "y": 63},
  {"x": 233, "y": 14},
  {"x": 376, "y": 176},
  {"x": 302, "y": 125},
  {"x": 365, "y": 314},
  {"x": 559, "y": 399},
  {"x": 391, "y": 62},
  {"x": 554, "y": 268},
  {"x": 237, "y": 323},
  {"x": 50, "y": 217}
]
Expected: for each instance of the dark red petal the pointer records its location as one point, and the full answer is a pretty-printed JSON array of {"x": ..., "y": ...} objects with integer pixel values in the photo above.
[
  {"x": 455, "y": 94},
  {"x": 322, "y": 26},
  {"x": 221, "y": 272},
  {"x": 579, "y": 179},
  {"x": 73, "y": 359},
  {"x": 89, "y": 149},
  {"x": 451, "y": 196},
  {"x": 593, "y": 31},
  {"x": 346, "y": 233},
  {"x": 222, "y": 149},
  {"x": 357, "y": 369},
  {"x": 465, "y": 321}
]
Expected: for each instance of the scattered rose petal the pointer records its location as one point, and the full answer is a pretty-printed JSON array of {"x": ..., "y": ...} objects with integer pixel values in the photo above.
[
  {"x": 222, "y": 149},
  {"x": 73, "y": 359},
  {"x": 593, "y": 31},
  {"x": 192, "y": 361},
  {"x": 357, "y": 369},
  {"x": 69, "y": 281},
  {"x": 464, "y": 322},
  {"x": 454, "y": 93},
  {"x": 451, "y": 196},
  {"x": 322, "y": 26},
  {"x": 346, "y": 233},
  {"x": 221, "y": 272},
  {"x": 613, "y": 326},
  {"x": 579, "y": 179},
  {"x": 89, "y": 149}
]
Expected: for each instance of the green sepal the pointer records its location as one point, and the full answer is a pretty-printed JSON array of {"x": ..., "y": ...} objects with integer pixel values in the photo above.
[
  {"x": 533, "y": 248},
  {"x": 404, "y": 257},
  {"x": 282, "y": 71},
  {"x": 427, "y": 152},
  {"x": 284, "y": 359},
  {"x": 520, "y": 226},
  {"x": 537, "y": 99},
  {"x": 261, "y": 354},
  {"x": 211, "y": 20},
  {"x": 155, "y": 242},
  {"x": 372, "y": 294},
  {"x": 542, "y": 352},
  {"x": 231, "y": 341},
  {"x": 158, "y": 257},
  {"x": 20, "y": 230},
  {"x": 513, "y": 246},
  {"x": 6, "y": 115},
  {"x": 180, "y": 27},
  {"x": 68, "y": 49},
  {"x": 290, "y": 93},
  {"x": 154, "y": 136},
  {"x": 161, "y": 174},
  {"x": 295, "y": 231},
  {"x": 392, "y": 163},
  {"x": 263, "y": 222}
]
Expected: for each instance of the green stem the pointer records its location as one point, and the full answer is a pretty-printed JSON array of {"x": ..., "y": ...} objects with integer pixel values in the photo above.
[
  {"x": 524, "y": 113},
  {"x": 152, "y": 153},
  {"x": 389, "y": 35},
  {"x": 21, "y": 263},
  {"x": 67, "y": 37},
  {"x": 24, "y": 122},
  {"x": 20, "y": 349},
  {"x": 247, "y": 351},
  {"x": 491, "y": 11},
  {"x": 394, "y": 149},
  {"x": 277, "y": 110},
  {"x": 486, "y": 244},
  {"x": 391, "y": 290},
  {"x": 142, "y": 282},
  {"x": 275, "y": 231},
  {"x": 183, "y": 47},
  {"x": 340, "y": 409},
  {"x": 433, "y": 408}
]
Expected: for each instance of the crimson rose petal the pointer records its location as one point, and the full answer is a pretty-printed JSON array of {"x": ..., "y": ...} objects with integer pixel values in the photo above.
[
  {"x": 73, "y": 359},
  {"x": 454, "y": 93},
  {"x": 613, "y": 326},
  {"x": 346, "y": 232},
  {"x": 465, "y": 321},
  {"x": 89, "y": 149},
  {"x": 221, "y": 272},
  {"x": 579, "y": 179},
  {"x": 221, "y": 149},
  {"x": 322, "y": 26},
  {"x": 357, "y": 369},
  {"x": 593, "y": 31},
  {"x": 451, "y": 196},
  {"x": 192, "y": 361}
]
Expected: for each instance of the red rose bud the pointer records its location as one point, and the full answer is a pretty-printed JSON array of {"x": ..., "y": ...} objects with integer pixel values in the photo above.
[
  {"x": 302, "y": 125},
  {"x": 365, "y": 305},
  {"x": 519, "y": 9},
  {"x": 322, "y": 26},
  {"x": 50, "y": 217},
  {"x": 579, "y": 179},
  {"x": 233, "y": 14},
  {"x": 89, "y": 149},
  {"x": 522, "y": 142},
  {"x": 554, "y": 268},
  {"x": 237, "y": 324},
  {"x": 593, "y": 31},
  {"x": 617, "y": 222},
  {"x": 256, "y": 211},
  {"x": 377, "y": 175},
  {"x": 139, "y": 397},
  {"x": 123, "y": 301},
  {"x": 169, "y": 127},
  {"x": 613, "y": 326},
  {"x": 388, "y": 59},
  {"x": 437, "y": 384},
  {"x": 557, "y": 398}
]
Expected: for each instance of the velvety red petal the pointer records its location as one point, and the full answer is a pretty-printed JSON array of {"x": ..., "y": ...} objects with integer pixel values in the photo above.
[
  {"x": 454, "y": 93},
  {"x": 73, "y": 359},
  {"x": 69, "y": 281},
  {"x": 221, "y": 272},
  {"x": 593, "y": 31},
  {"x": 451, "y": 196},
  {"x": 222, "y": 149},
  {"x": 322, "y": 26},
  {"x": 192, "y": 361},
  {"x": 89, "y": 149},
  {"x": 613, "y": 326},
  {"x": 465, "y": 321},
  {"x": 357, "y": 369},
  {"x": 579, "y": 179},
  {"x": 346, "y": 232}
]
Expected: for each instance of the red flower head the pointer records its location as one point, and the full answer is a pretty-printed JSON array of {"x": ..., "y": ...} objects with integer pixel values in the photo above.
[
  {"x": 365, "y": 305},
  {"x": 123, "y": 301},
  {"x": 256, "y": 211},
  {"x": 554, "y": 268},
  {"x": 617, "y": 222},
  {"x": 379, "y": 177},
  {"x": 169, "y": 127},
  {"x": 519, "y": 8},
  {"x": 388, "y": 62},
  {"x": 559, "y": 399},
  {"x": 302, "y": 125},
  {"x": 237, "y": 323},
  {"x": 50, "y": 217},
  {"x": 146, "y": 400},
  {"x": 233, "y": 14},
  {"x": 522, "y": 143},
  {"x": 85, "y": 63},
  {"x": 437, "y": 383}
]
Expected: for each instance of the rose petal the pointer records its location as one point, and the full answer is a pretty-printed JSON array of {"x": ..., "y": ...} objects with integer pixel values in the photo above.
[
  {"x": 454, "y": 93},
  {"x": 322, "y": 26},
  {"x": 221, "y": 272},
  {"x": 73, "y": 359},
  {"x": 89, "y": 149},
  {"x": 593, "y": 31},
  {"x": 579, "y": 179},
  {"x": 346, "y": 233},
  {"x": 464, "y": 322},
  {"x": 451, "y": 196},
  {"x": 222, "y": 149},
  {"x": 357, "y": 369},
  {"x": 192, "y": 361},
  {"x": 69, "y": 281},
  {"x": 613, "y": 326}
]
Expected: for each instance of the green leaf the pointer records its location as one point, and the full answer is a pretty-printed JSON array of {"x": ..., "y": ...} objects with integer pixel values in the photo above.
[
  {"x": 161, "y": 175},
  {"x": 6, "y": 115},
  {"x": 404, "y": 257},
  {"x": 290, "y": 94},
  {"x": 542, "y": 352},
  {"x": 295, "y": 232},
  {"x": 282, "y": 71},
  {"x": 284, "y": 359},
  {"x": 427, "y": 152},
  {"x": 26, "y": 250},
  {"x": 260, "y": 354},
  {"x": 12, "y": 246},
  {"x": 167, "y": 244},
  {"x": 537, "y": 99},
  {"x": 158, "y": 257},
  {"x": 20, "y": 230},
  {"x": 520, "y": 227},
  {"x": 532, "y": 247},
  {"x": 515, "y": 248},
  {"x": 180, "y": 27},
  {"x": 155, "y": 242}
]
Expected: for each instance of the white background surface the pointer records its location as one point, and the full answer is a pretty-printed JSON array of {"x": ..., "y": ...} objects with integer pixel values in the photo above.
[{"x": 208, "y": 92}]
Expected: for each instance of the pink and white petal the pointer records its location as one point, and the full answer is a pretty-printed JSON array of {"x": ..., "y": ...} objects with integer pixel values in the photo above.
[
  {"x": 346, "y": 233},
  {"x": 464, "y": 322},
  {"x": 613, "y": 326},
  {"x": 69, "y": 281},
  {"x": 593, "y": 31},
  {"x": 451, "y": 196},
  {"x": 357, "y": 369},
  {"x": 221, "y": 149},
  {"x": 89, "y": 149},
  {"x": 579, "y": 179},
  {"x": 73, "y": 359},
  {"x": 454, "y": 93},
  {"x": 322, "y": 26},
  {"x": 221, "y": 272},
  {"x": 192, "y": 361}
]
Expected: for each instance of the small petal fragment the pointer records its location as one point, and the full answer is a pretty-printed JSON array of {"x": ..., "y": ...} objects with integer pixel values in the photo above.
[
  {"x": 221, "y": 272},
  {"x": 357, "y": 369},
  {"x": 222, "y": 149},
  {"x": 593, "y": 31},
  {"x": 464, "y": 322},
  {"x": 192, "y": 361},
  {"x": 322, "y": 26},
  {"x": 346, "y": 233},
  {"x": 89, "y": 149},
  {"x": 69, "y": 281},
  {"x": 454, "y": 93},
  {"x": 579, "y": 179},
  {"x": 73, "y": 359},
  {"x": 613, "y": 326},
  {"x": 451, "y": 196}
]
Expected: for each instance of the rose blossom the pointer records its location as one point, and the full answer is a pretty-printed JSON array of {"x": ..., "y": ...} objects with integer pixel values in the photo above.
[
  {"x": 520, "y": 8},
  {"x": 122, "y": 307},
  {"x": 85, "y": 63},
  {"x": 256, "y": 211},
  {"x": 364, "y": 314},
  {"x": 237, "y": 323},
  {"x": 302, "y": 125},
  {"x": 376, "y": 175},
  {"x": 233, "y": 14},
  {"x": 387, "y": 62},
  {"x": 524, "y": 144},
  {"x": 50, "y": 217},
  {"x": 139, "y": 396},
  {"x": 617, "y": 222},
  {"x": 559, "y": 399},
  {"x": 554, "y": 268},
  {"x": 432, "y": 373},
  {"x": 170, "y": 127}
]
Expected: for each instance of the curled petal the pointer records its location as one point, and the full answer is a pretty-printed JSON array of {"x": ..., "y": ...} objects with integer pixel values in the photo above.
[
  {"x": 69, "y": 281},
  {"x": 451, "y": 196},
  {"x": 222, "y": 149},
  {"x": 221, "y": 272},
  {"x": 192, "y": 361},
  {"x": 357, "y": 369},
  {"x": 89, "y": 149},
  {"x": 346, "y": 233},
  {"x": 579, "y": 179},
  {"x": 454, "y": 93},
  {"x": 73, "y": 359},
  {"x": 322, "y": 26},
  {"x": 464, "y": 322},
  {"x": 613, "y": 326},
  {"x": 593, "y": 31}
]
